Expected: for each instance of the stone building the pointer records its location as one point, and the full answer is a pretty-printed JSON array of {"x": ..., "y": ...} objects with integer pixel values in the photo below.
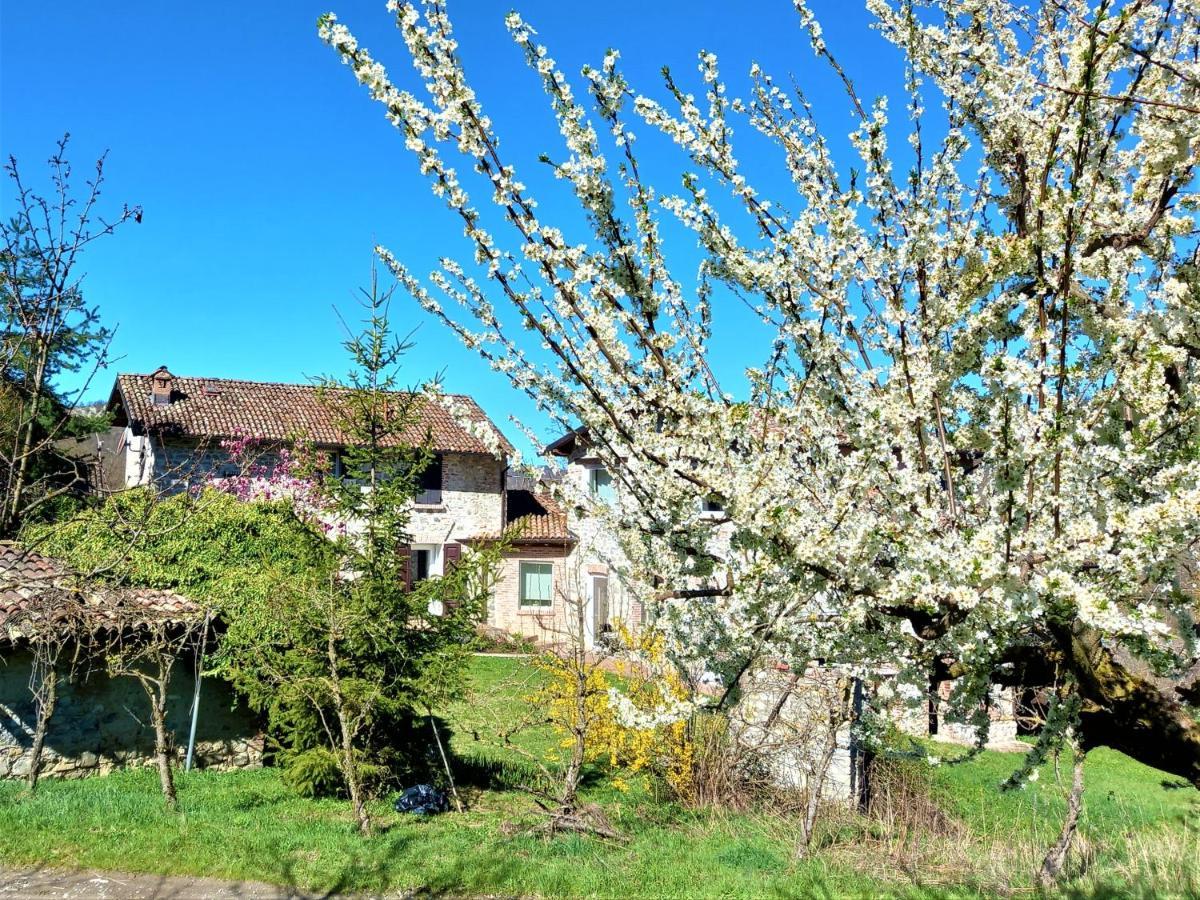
[
  {"x": 172, "y": 429},
  {"x": 100, "y": 722},
  {"x": 592, "y": 569}
]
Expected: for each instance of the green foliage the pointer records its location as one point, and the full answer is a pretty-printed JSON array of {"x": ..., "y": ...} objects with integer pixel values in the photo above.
[
  {"x": 313, "y": 772},
  {"x": 212, "y": 548},
  {"x": 349, "y": 658},
  {"x": 323, "y": 636}
]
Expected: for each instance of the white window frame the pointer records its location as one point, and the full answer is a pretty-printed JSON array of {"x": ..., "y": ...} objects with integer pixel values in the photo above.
[{"x": 435, "y": 559}]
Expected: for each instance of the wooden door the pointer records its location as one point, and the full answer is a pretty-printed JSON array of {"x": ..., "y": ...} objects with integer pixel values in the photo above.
[{"x": 600, "y": 623}]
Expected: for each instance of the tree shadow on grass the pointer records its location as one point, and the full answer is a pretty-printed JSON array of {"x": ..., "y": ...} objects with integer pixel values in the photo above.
[
  {"x": 489, "y": 773},
  {"x": 384, "y": 864},
  {"x": 482, "y": 872},
  {"x": 1119, "y": 890},
  {"x": 370, "y": 869}
]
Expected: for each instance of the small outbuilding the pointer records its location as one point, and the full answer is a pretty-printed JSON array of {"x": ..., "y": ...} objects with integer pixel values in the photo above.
[{"x": 53, "y": 619}]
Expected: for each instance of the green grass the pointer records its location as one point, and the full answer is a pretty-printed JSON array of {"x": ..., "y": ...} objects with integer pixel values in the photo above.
[
  {"x": 247, "y": 825},
  {"x": 1119, "y": 793}
]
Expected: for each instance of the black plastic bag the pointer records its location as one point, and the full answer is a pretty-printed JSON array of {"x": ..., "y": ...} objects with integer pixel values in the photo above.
[{"x": 422, "y": 800}]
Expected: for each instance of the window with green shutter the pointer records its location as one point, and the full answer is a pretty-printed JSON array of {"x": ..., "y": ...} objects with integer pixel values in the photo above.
[
  {"x": 601, "y": 484},
  {"x": 536, "y": 584}
]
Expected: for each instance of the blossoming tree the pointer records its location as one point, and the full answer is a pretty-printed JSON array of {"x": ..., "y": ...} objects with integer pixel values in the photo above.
[{"x": 970, "y": 444}]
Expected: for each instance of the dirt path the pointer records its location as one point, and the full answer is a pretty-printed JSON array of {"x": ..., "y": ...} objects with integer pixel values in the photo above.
[{"x": 20, "y": 884}]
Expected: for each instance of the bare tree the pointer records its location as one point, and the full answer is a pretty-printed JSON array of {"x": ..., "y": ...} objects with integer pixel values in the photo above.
[
  {"x": 145, "y": 644},
  {"x": 46, "y": 329},
  {"x": 55, "y": 654},
  {"x": 52, "y": 625}
]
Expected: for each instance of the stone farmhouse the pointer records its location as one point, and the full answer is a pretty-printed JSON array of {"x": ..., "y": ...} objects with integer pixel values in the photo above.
[
  {"x": 560, "y": 576},
  {"x": 168, "y": 431}
]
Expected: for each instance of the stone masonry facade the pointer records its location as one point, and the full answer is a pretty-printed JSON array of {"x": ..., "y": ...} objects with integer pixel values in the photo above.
[
  {"x": 472, "y": 501},
  {"x": 101, "y": 724}
]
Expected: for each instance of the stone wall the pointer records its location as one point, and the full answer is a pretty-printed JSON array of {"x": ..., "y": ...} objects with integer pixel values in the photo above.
[
  {"x": 932, "y": 719},
  {"x": 471, "y": 504},
  {"x": 472, "y": 501},
  {"x": 784, "y": 718},
  {"x": 1002, "y": 718},
  {"x": 101, "y": 724}
]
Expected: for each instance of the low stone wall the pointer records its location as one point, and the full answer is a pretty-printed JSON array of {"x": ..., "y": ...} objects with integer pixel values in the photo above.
[
  {"x": 101, "y": 723},
  {"x": 786, "y": 717},
  {"x": 1002, "y": 718},
  {"x": 931, "y": 719}
]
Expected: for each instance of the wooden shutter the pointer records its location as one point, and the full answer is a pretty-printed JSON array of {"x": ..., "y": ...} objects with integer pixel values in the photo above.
[
  {"x": 600, "y": 623},
  {"x": 451, "y": 556},
  {"x": 405, "y": 554}
]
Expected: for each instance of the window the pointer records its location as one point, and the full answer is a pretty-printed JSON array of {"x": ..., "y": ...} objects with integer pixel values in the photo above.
[
  {"x": 420, "y": 564},
  {"x": 601, "y": 484},
  {"x": 712, "y": 505},
  {"x": 536, "y": 583},
  {"x": 431, "y": 483},
  {"x": 424, "y": 560}
]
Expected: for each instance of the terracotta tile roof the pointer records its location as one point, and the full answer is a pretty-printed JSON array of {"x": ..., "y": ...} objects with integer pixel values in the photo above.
[
  {"x": 533, "y": 518},
  {"x": 33, "y": 586},
  {"x": 24, "y": 575},
  {"x": 221, "y": 407}
]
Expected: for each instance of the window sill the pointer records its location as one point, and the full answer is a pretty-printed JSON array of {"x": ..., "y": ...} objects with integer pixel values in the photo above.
[
  {"x": 429, "y": 507},
  {"x": 534, "y": 610}
]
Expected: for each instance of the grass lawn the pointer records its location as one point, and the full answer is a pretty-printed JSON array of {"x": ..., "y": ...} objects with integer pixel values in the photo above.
[{"x": 1139, "y": 828}]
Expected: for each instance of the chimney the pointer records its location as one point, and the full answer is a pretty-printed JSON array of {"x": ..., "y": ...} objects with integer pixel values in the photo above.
[{"x": 161, "y": 383}]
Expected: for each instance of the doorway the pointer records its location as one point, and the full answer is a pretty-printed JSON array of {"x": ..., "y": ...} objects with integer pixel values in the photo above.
[{"x": 601, "y": 626}]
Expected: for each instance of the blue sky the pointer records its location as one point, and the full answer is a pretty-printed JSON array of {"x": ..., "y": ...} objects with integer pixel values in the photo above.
[{"x": 266, "y": 175}]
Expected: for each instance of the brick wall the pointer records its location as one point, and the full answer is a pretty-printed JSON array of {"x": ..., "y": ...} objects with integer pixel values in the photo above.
[{"x": 547, "y": 624}]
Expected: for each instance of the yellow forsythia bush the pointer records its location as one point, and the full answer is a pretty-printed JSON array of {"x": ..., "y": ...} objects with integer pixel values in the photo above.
[{"x": 579, "y": 695}]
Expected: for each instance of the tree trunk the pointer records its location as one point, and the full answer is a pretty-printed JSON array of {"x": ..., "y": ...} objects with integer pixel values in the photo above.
[
  {"x": 46, "y": 696},
  {"x": 569, "y": 798},
  {"x": 816, "y": 781},
  {"x": 162, "y": 743},
  {"x": 1127, "y": 712},
  {"x": 349, "y": 764},
  {"x": 351, "y": 774},
  {"x": 166, "y": 778},
  {"x": 156, "y": 687},
  {"x": 27, "y": 441},
  {"x": 12, "y": 509},
  {"x": 1056, "y": 857}
]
